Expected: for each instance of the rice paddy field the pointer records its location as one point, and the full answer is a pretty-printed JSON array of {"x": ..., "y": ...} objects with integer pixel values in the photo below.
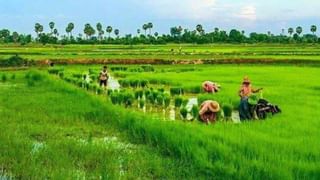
[
  {"x": 266, "y": 52},
  {"x": 57, "y": 123}
]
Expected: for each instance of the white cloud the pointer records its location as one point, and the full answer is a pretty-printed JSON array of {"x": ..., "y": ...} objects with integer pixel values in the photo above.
[{"x": 248, "y": 12}]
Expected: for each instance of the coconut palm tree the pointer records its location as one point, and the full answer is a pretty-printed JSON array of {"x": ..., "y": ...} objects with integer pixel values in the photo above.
[
  {"x": 109, "y": 30},
  {"x": 138, "y": 31},
  {"x": 299, "y": 30},
  {"x": 156, "y": 34},
  {"x": 150, "y": 26},
  {"x": 51, "y": 25},
  {"x": 313, "y": 29},
  {"x": 290, "y": 31}
]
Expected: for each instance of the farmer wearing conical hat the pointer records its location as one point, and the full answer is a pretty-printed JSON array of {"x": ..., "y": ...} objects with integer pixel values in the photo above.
[
  {"x": 208, "y": 111},
  {"x": 245, "y": 92}
]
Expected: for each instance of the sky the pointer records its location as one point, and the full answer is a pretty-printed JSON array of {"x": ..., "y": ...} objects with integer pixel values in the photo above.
[{"x": 129, "y": 15}]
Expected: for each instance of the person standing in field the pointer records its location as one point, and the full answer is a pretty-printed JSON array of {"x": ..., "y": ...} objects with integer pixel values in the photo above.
[
  {"x": 103, "y": 77},
  {"x": 245, "y": 92}
]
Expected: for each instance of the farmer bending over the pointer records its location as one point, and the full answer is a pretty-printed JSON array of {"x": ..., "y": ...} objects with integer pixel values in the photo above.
[
  {"x": 245, "y": 92},
  {"x": 103, "y": 77}
]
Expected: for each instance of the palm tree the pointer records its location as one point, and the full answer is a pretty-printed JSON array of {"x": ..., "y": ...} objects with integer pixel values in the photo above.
[
  {"x": 199, "y": 28},
  {"x": 89, "y": 30},
  {"x": 51, "y": 25},
  {"x": 70, "y": 27},
  {"x": 100, "y": 31},
  {"x": 299, "y": 30},
  {"x": 138, "y": 31},
  {"x": 37, "y": 28},
  {"x": 145, "y": 28},
  {"x": 116, "y": 32},
  {"x": 290, "y": 31},
  {"x": 156, "y": 34},
  {"x": 313, "y": 29},
  {"x": 109, "y": 30},
  {"x": 55, "y": 32},
  {"x": 150, "y": 26}
]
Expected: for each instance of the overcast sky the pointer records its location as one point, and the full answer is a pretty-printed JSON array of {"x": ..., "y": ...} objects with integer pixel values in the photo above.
[{"x": 129, "y": 15}]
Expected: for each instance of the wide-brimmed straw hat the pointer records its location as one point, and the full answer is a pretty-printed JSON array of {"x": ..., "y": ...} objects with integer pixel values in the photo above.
[
  {"x": 246, "y": 80},
  {"x": 212, "y": 106}
]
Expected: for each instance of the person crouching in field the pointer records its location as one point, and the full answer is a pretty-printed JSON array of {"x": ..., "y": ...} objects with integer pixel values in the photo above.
[
  {"x": 103, "y": 77},
  {"x": 210, "y": 87},
  {"x": 245, "y": 92}
]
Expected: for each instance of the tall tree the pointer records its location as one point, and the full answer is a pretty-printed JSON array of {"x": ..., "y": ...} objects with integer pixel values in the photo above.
[
  {"x": 150, "y": 26},
  {"x": 37, "y": 28},
  {"x": 55, "y": 32},
  {"x": 109, "y": 30},
  {"x": 290, "y": 31},
  {"x": 145, "y": 28},
  {"x": 313, "y": 29},
  {"x": 138, "y": 31},
  {"x": 15, "y": 37},
  {"x": 100, "y": 30},
  {"x": 51, "y": 26},
  {"x": 70, "y": 28},
  {"x": 117, "y": 32},
  {"x": 299, "y": 30},
  {"x": 199, "y": 28},
  {"x": 89, "y": 31}
]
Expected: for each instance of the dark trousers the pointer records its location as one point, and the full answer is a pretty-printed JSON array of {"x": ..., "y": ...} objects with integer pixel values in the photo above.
[{"x": 244, "y": 110}]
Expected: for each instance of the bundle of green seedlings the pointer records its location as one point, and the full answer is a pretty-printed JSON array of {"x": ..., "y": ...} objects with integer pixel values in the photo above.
[
  {"x": 133, "y": 83},
  {"x": 122, "y": 98}
]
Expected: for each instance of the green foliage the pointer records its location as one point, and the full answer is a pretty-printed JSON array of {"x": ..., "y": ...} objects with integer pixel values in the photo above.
[
  {"x": 184, "y": 112},
  {"x": 167, "y": 101},
  {"x": 195, "y": 111},
  {"x": 14, "y": 61},
  {"x": 227, "y": 110},
  {"x": 178, "y": 101},
  {"x": 4, "y": 78},
  {"x": 176, "y": 91},
  {"x": 141, "y": 103},
  {"x": 13, "y": 76},
  {"x": 160, "y": 100}
]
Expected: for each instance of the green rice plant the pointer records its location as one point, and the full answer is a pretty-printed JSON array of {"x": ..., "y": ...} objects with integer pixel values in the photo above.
[
  {"x": 147, "y": 68},
  {"x": 147, "y": 92},
  {"x": 13, "y": 76},
  {"x": 192, "y": 89},
  {"x": 167, "y": 101},
  {"x": 155, "y": 94},
  {"x": 114, "y": 98},
  {"x": 134, "y": 83},
  {"x": 143, "y": 83},
  {"x": 227, "y": 111},
  {"x": 55, "y": 71},
  {"x": 124, "y": 83},
  {"x": 61, "y": 74},
  {"x": 176, "y": 91},
  {"x": 141, "y": 103},
  {"x": 184, "y": 112},
  {"x": 128, "y": 99},
  {"x": 99, "y": 90},
  {"x": 195, "y": 112},
  {"x": 136, "y": 94},
  {"x": 178, "y": 101},
  {"x": 109, "y": 91},
  {"x": 161, "y": 90},
  {"x": 185, "y": 102},
  {"x": 78, "y": 75},
  {"x": 151, "y": 99},
  {"x": 3, "y": 78},
  {"x": 80, "y": 83},
  {"x": 94, "y": 88},
  {"x": 160, "y": 100}
]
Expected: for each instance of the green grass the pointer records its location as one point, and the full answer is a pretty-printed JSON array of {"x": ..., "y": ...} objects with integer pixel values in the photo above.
[
  {"x": 49, "y": 130},
  {"x": 163, "y": 52}
]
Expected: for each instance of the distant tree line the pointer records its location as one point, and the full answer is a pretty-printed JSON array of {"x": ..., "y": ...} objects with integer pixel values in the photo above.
[{"x": 109, "y": 35}]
